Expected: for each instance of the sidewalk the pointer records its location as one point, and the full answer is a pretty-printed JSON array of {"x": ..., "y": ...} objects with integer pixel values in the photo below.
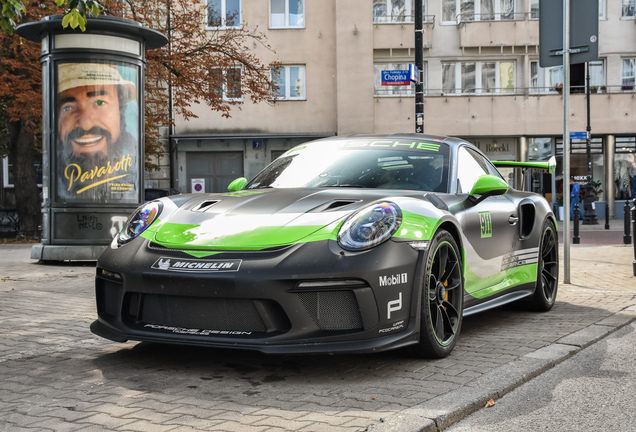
[
  {"x": 597, "y": 234},
  {"x": 57, "y": 376}
]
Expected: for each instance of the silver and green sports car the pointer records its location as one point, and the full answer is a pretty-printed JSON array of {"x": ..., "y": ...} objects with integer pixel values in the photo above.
[{"x": 347, "y": 244}]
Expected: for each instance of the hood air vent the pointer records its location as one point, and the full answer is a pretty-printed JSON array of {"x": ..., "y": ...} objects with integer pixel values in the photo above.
[
  {"x": 204, "y": 205},
  {"x": 334, "y": 205}
]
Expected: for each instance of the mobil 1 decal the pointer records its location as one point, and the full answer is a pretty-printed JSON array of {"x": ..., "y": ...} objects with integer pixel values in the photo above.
[{"x": 485, "y": 224}]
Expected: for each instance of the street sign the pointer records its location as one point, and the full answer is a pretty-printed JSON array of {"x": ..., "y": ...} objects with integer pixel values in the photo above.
[
  {"x": 583, "y": 32},
  {"x": 578, "y": 135},
  {"x": 395, "y": 77},
  {"x": 198, "y": 185},
  {"x": 414, "y": 73}
]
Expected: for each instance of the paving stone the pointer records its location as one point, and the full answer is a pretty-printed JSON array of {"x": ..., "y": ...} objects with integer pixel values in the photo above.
[{"x": 53, "y": 368}]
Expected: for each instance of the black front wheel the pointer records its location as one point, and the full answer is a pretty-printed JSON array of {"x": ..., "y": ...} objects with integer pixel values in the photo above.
[{"x": 442, "y": 298}]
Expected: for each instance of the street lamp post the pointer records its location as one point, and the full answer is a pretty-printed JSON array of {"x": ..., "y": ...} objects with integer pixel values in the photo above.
[{"x": 590, "y": 196}]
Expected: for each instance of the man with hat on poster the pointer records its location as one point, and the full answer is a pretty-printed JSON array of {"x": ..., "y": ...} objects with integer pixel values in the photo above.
[{"x": 97, "y": 156}]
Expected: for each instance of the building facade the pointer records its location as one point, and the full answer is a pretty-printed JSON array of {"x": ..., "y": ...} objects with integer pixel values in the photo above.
[{"x": 482, "y": 82}]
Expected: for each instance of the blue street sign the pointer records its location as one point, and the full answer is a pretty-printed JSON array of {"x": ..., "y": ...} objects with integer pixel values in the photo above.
[
  {"x": 395, "y": 77},
  {"x": 578, "y": 135}
]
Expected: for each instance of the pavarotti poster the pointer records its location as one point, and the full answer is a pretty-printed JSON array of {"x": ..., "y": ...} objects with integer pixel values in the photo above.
[{"x": 97, "y": 132}]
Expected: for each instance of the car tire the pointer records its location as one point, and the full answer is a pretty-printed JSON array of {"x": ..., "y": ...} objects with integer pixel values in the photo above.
[
  {"x": 442, "y": 298},
  {"x": 545, "y": 291}
]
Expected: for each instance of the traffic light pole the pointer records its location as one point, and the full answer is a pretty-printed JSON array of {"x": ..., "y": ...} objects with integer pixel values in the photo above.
[{"x": 419, "y": 63}]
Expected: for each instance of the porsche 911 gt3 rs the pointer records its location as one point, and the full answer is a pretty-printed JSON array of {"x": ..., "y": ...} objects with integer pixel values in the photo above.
[{"x": 347, "y": 244}]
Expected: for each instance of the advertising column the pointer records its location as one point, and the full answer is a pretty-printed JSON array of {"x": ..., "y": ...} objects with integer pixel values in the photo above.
[{"x": 93, "y": 154}]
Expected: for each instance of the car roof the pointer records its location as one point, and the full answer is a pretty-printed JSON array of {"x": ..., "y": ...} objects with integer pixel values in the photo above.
[{"x": 451, "y": 141}]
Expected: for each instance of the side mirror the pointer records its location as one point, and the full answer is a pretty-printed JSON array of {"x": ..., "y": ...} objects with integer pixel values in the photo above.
[
  {"x": 237, "y": 184},
  {"x": 486, "y": 186}
]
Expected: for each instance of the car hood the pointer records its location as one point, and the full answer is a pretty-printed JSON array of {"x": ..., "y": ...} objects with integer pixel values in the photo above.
[{"x": 258, "y": 219}]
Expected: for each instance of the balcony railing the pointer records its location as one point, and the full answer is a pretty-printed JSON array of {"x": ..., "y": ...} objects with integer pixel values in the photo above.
[
  {"x": 530, "y": 91},
  {"x": 402, "y": 19}
]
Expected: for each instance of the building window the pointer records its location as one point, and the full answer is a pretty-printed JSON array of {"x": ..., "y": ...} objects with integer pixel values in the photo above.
[
  {"x": 550, "y": 79},
  {"x": 534, "y": 9},
  {"x": 628, "y": 8},
  {"x": 380, "y": 90},
  {"x": 7, "y": 172},
  {"x": 628, "y": 75},
  {"x": 539, "y": 149},
  {"x": 395, "y": 11},
  {"x": 224, "y": 13},
  {"x": 226, "y": 84},
  {"x": 477, "y": 10},
  {"x": 290, "y": 83},
  {"x": 287, "y": 14},
  {"x": 601, "y": 9},
  {"x": 625, "y": 168},
  {"x": 487, "y": 77}
]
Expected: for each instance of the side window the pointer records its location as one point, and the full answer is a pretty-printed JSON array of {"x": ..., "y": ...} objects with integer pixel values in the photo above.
[{"x": 470, "y": 166}]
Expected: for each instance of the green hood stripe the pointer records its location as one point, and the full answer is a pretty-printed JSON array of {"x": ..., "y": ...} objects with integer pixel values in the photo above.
[{"x": 184, "y": 237}]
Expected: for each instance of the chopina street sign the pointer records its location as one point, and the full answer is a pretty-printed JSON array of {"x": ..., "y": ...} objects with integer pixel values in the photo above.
[{"x": 395, "y": 77}]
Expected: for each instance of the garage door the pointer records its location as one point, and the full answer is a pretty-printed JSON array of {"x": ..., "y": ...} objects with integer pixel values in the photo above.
[{"x": 218, "y": 169}]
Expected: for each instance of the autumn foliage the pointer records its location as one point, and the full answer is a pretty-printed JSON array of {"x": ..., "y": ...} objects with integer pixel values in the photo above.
[
  {"x": 189, "y": 62},
  {"x": 189, "y": 68}
]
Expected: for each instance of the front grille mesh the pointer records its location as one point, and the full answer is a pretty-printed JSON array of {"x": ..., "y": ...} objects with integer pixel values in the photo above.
[
  {"x": 201, "y": 313},
  {"x": 332, "y": 310}
]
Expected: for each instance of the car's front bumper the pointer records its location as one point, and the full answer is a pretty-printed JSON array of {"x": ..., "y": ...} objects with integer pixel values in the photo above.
[{"x": 311, "y": 297}]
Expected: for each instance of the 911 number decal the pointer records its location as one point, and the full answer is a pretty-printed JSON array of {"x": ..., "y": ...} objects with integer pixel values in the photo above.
[{"x": 485, "y": 223}]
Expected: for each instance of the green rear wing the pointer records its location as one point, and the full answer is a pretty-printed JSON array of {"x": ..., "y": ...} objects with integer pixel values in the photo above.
[{"x": 549, "y": 165}]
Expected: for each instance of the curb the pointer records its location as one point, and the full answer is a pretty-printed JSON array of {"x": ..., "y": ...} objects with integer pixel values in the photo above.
[{"x": 442, "y": 411}]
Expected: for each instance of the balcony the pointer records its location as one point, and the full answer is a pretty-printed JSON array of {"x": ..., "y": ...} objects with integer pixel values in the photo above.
[
  {"x": 391, "y": 34},
  {"x": 511, "y": 30}
]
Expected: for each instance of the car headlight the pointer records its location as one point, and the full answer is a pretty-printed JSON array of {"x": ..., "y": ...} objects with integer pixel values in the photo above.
[
  {"x": 370, "y": 226},
  {"x": 143, "y": 217}
]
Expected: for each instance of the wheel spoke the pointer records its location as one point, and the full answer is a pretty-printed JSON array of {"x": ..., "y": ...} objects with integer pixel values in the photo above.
[
  {"x": 439, "y": 323},
  {"x": 442, "y": 258},
  {"x": 548, "y": 275},
  {"x": 449, "y": 273},
  {"x": 447, "y": 313},
  {"x": 454, "y": 285},
  {"x": 548, "y": 245},
  {"x": 450, "y": 312}
]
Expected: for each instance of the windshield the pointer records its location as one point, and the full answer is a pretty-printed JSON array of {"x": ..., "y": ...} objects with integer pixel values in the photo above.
[{"x": 326, "y": 166}]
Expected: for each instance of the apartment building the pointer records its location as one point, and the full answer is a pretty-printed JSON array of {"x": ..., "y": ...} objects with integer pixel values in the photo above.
[{"x": 482, "y": 82}]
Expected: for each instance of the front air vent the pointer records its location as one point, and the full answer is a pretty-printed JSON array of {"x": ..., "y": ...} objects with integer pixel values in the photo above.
[
  {"x": 332, "y": 310},
  {"x": 204, "y": 205}
]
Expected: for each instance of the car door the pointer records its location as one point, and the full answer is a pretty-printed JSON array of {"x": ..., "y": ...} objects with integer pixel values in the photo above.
[{"x": 489, "y": 228}]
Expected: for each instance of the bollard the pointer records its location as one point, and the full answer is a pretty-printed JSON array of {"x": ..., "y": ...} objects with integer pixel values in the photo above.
[
  {"x": 627, "y": 238},
  {"x": 607, "y": 216},
  {"x": 576, "y": 239}
]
